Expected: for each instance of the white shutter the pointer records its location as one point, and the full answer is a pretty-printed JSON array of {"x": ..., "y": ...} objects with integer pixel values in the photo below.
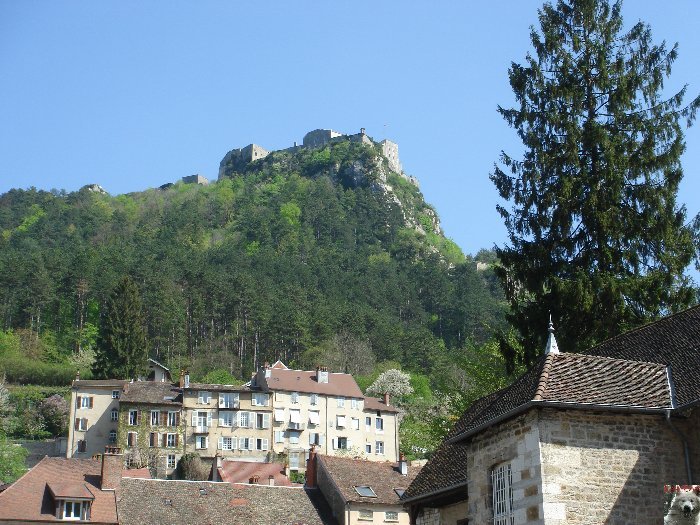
[
  {"x": 349, "y": 442},
  {"x": 241, "y": 443},
  {"x": 221, "y": 418},
  {"x": 208, "y": 419},
  {"x": 335, "y": 443},
  {"x": 311, "y": 438},
  {"x": 266, "y": 420},
  {"x": 321, "y": 439},
  {"x": 234, "y": 443},
  {"x": 194, "y": 418},
  {"x": 265, "y": 444},
  {"x": 234, "y": 419},
  {"x": 221, "y": 443}
]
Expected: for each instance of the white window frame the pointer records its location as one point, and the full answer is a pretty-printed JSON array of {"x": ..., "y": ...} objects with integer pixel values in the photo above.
[
  {"x": 262, "y": 444},
  {"x": 340, "y": 400},
  {"x": 391, "y": 515},
  {"x": 294, "y": 398},
  {"x": 112, "y": 436},
  {"x": 115, "y": 394},
  {"x": 368, "y": 448},
  {"x": 114, "y": 414},
  {"x": 294, "y": 437},
  {"x": 133, "y": 418},
  {"x": 379, "y": 425},
  {"x": 279, "y": 436},
  {"x": 84, "y": 402},
  {"x": 229, "y": 400},
  {"x": 172, "y": 461},
  {"x": 170, "y": 443},
  {"x": 379, "y": 448},
  {"x": 198, "y": 442},
  {"x": 313, "y": 399},
  {"x": 74, "y": 505},
  {"x": 227, "y": 443},
  {"x": 82, "y": 424},
  {"x": 279, "y": 415},
  {"x": 314, "y": 417},
  {"x": 368, "y": 515},
  {"x": 355, "y": 423},
  {"x": 353, "y": 403},
  {"x": 203, "y": 397},
  {"x": 226, "y": 418},
  {"x": 155, "y": 414},
  {"x": 245, "y": 443},
  {"x": 260, "y": 399},
  {"x": 262, "y": 420},
  {"x": 241, "y": 417},
  {"x": 172, "y": 418},
  {"x": 340, "y": 421},
  {"x": 502, "y": 494}
]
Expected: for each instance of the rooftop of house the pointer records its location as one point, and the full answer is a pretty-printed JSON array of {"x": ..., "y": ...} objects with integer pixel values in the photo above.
[
  {"x": 383, "y": 478},
  {"x": 217, "y": 387},
  {"x": 652, "y": 369},
  {"x": 31, "y": 498},
  {"x": 98, "y": 383},
  {"x": 244, "y": 471},
  {"x": 307, "y": 381},
  {"x": 191, "y": 502},
  {"x": 374, "y": 403},
  {"x": 151, "y": 393}
]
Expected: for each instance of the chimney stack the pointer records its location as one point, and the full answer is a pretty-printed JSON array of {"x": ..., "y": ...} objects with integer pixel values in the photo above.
[
  {"x": 271, "y": 480},
  {"x": 403, "y": 465},
  {"x": 386, "y": 398},
  {"x": 112, "y": 465},
  {"x": 187, "y": 379},
  {"x": 216, "y": 465},
  {"x": 182, "y": 378},
  {"x": 322, "y": 374},
  {"x": 311, "y": 468}
]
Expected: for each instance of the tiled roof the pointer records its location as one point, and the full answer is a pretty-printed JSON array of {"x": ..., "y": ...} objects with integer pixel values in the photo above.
[
  {"x": 29, "y": 498},
  {"x": 194, "y": 502},
  {"x": 216, "y": 387},
  {"x": 97, "y": 383},
  {"x": 152, "y": 393},
  {"x": 305, "y": 381},
  {"x": 68, "y": 490},
  {"x": 383, "y": 477},
  {"x": 554, "y": 380},
  {"x": 672, "y": 341},
  {"x": 373, "y": 403},
  {"x": 143, "y": 473},
  {"x": 242, "y": 471}
]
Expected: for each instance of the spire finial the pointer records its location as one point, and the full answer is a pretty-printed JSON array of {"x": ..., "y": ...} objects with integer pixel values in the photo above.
[{"x": 552, "y": 347}]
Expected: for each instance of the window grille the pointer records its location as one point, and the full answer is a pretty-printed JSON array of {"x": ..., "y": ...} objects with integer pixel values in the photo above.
[{"x": 502, "y": 490}]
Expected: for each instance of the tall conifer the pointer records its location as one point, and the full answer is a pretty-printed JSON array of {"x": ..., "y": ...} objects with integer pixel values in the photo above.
[
  {"x": 596, "y": 236},
  {"x": 123, "y": 350}
]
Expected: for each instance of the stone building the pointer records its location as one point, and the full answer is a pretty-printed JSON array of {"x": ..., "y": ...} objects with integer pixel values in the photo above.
[
  {"x": 327, "y": 410},
  {"x": 578, "y": 439}
]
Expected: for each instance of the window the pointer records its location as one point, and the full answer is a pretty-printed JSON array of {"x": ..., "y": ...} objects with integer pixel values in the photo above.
[
  {"x": 340, "y": 421},
  {"x": 391, "y": 516},
  {"x": 379, "y": 447},
  {"x": 225, "y": 418},
  {"x": 314, "y": 417},
  {"x": 171, "y": 440},
  {"x": 379, "y": 424},
  {"x": 245, "y": 443},
  {"x": 365, "y": 514},
  {"x": 201, "y": 420},
  {"x": 83, "y": 401},
  {"x": 279, "y": 436},
  {"x": 171, "y": 460},
  {"x": 341, "y": 443},
  {"x": 368, "y": 423},
  {"x": 399, "y": 492},
  {"x": 261, "y": 444},
  {"x": 279, "y": 415},
  {"x": 353, "y": 403},
  {"x": 368, "y": 448},
  {"x": 295, "y": 397},
  {"x": 201, "y": 442},
  {"x": 173, "y": 418},
  {"x": 82, "y": 445},
  {"x": 204, "y": 397},
  {"x": 366, "y": 491},
  {"x": 261, "y": 400},
  {"x": 81, "y": 424},
  {"x": 131, "y": 439},
  {"x": 262, "y": 420},
  {"x": 154, "y": 417},
  {"x": 115, "y": 414},
  {"x": 502, "y": 491},
  {"x": 314, "y": 399},
  {"x": 112, "y": 436},
  {"x": 293, "y": 437},
  {"x": 341, "y": 401},
  {"x": 294, "y": 418},
  {"x": 115, "y": 394},
  {"x": 73, "y": 510},
  {"x": 244, "y": 419},
  {"x": 227, "y": 443},
  {"x": 133, "y": 417},
  {"x": 153, "y": 439},
  {"x": 228, "y": 400},
  {"x": 355, "y": 423}
]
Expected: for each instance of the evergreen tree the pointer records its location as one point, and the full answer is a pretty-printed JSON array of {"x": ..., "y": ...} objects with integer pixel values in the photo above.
[
  {"x": 123, "y": 349},
  {"x": 596, "y": 236}
]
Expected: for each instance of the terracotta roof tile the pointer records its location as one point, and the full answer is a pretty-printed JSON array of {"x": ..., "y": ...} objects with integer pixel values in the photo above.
[
  {"x": 29, "y": 498},
  {"x": 305, "y": 381},
  {"x": 383, "y": 477},
  {"x": 194, "y": 502},
  {"x": 242, "y": 471},
  {"x": 96, "y": 383},
  {"x": 373, "y": 403},
  {"x": 68, "y": 490}
]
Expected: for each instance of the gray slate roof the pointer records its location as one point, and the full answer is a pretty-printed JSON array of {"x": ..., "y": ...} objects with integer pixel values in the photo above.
[{"x": 151, "y": 393}]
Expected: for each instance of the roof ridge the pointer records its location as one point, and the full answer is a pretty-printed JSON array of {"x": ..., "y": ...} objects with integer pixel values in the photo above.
[
  {"x": 619, "y": 359},
  {"x": 544, "y": 376},
  {"x": 646, "y": 325}
]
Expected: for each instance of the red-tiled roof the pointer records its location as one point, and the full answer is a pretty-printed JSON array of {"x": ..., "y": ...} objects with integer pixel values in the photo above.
[
  {"x": 373, "y": 403},
  {"x": 142, "y": 473},
  {"x": 382, "y": 477},
  {"x": 29, "y": 498},
  {"x": 99, "y": 383},
  {"x": 242, "y": 471},
  {"x": 68, "y": 490},
  {"x": 305, "y": 381}
]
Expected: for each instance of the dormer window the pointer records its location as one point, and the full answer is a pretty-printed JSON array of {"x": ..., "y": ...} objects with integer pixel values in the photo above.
[
  {"x": 73, "y": 501},
  {"x": 75, "y": 510}
]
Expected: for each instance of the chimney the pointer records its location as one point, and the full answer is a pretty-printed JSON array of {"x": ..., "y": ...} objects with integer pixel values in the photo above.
[
  {"x": 77, "y": 375},
  {"x": 216, "y": 464},
  {"x": 403, "y": 465},
  {"x": 112, "y": 465},
  {"x": 187, "y": 379},
  {"x": 322, "y": 374},
  {"x": 182, "y": 378},
  {"x": 386, "y": 398},
  {"x": 311, "y": 468},
  {"x": 268, "y": 371},
  {"x": 271, "y": 480}
]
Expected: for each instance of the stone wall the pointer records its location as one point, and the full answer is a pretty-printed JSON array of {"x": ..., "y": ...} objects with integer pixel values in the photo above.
[
  {"x": 319, "y": 137},
  {"x": 600, "y": 467},
  {"x": 391, "y": 151}
]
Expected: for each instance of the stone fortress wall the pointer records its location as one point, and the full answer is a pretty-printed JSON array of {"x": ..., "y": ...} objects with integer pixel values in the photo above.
[{"x": 317, "y": 139}]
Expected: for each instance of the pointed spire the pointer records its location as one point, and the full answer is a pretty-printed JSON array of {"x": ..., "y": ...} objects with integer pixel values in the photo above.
[{"x": 552, "y": 347}]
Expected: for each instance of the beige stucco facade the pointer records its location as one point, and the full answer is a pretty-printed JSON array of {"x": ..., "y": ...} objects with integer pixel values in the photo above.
[{"x": 93, "y": 416}]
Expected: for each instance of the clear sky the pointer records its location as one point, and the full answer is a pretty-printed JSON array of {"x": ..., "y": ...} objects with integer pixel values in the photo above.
[{"x": 133, "y": 94}]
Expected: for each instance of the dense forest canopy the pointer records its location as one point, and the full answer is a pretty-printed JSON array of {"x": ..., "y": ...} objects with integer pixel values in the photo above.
[{"x": 275, "y": 260}]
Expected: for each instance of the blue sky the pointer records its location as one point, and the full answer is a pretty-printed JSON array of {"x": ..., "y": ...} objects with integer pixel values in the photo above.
[{"x": 133, "y": 94}]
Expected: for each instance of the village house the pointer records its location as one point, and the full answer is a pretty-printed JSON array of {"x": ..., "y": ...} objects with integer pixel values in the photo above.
[
  {"x": 578, "y": 439},
  {"x": 327, "y": 410},
  {"x": 361, "y": 492}
]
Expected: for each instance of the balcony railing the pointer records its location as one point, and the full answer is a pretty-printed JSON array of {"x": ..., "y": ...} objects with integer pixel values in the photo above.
[
  {"x": 233, "y": 405},
  {"x": 201, "y": 429},
  {"x": 296, "y": 426}
]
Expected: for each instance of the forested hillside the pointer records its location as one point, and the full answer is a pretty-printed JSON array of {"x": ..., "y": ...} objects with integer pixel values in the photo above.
[{"x": 306, "y": 257}]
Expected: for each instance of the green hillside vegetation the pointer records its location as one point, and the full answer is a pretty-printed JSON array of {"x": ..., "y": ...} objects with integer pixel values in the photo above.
[{"x": 274, "y": 261}]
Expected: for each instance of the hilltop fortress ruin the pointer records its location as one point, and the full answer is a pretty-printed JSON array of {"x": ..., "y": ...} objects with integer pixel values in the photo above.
[{"x": 317, "y": 138}]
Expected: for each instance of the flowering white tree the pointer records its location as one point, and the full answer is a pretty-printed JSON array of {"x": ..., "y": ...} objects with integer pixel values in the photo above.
[{"x": 393, "y": 382}]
